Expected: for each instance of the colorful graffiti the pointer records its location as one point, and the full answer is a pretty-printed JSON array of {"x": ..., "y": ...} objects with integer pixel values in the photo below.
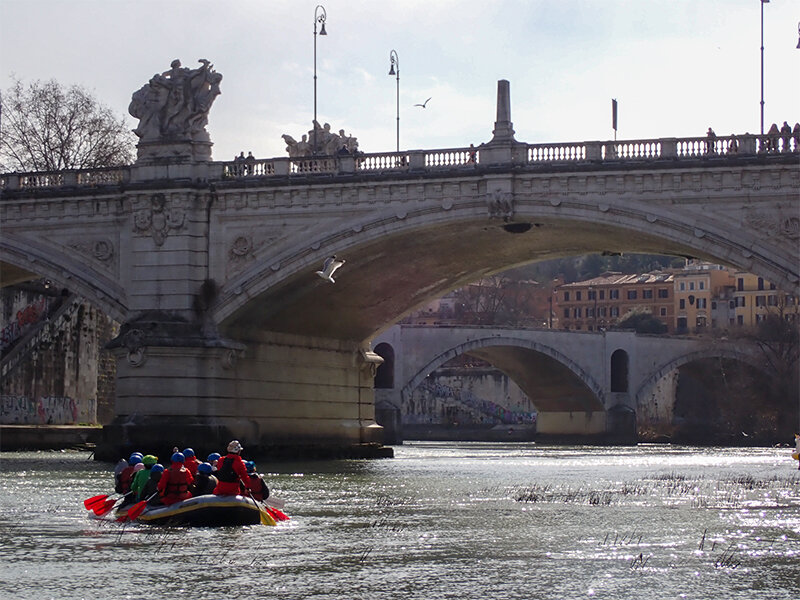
[
  {"x": 46, "y": 410},
  {"x": 28, "y": 315}
]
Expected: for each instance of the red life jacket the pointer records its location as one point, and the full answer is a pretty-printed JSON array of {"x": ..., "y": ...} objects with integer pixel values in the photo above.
[
  {"x": 191, "y": 464},
  {"x": 125, "y": 480},
  {"x": 174, "y": 485},
  {"x": 257, "y": 486}
]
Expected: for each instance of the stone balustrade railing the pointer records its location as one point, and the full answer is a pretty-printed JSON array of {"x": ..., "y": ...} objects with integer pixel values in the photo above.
[{"x": 440, "y": 159}]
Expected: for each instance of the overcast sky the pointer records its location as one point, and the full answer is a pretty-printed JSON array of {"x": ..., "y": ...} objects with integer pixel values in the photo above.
[{"x": 676, "y": 67}]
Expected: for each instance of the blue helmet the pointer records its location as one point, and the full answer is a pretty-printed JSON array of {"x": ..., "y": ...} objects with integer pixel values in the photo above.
[
  {"x": 251, "y": 466},
  {"x": 188, "y": 453},
  {"x": 178, "y": 457},
  {"x": 134, "y": 460},
  {"x": 214, "y": 456},
  {"x": 204, "y": 468},
  {"x": 157, "y": 468}
]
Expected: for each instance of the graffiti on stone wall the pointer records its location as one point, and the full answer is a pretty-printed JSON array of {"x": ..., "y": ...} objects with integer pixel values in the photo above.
[
  {"x": 46, "y": 410},
  {"x": 25, "y": 317}
]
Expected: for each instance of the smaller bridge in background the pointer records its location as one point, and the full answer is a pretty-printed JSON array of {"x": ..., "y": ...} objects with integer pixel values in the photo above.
[{"x": 582, "y": 383}]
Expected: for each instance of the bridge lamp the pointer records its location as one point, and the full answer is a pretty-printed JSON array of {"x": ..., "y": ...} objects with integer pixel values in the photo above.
[
  {"x": 319, "y": 17},
  {"x": 394, "y": 61}
]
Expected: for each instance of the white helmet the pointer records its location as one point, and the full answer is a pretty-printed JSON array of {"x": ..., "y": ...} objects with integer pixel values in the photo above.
[{"x": 235, "y": 447}]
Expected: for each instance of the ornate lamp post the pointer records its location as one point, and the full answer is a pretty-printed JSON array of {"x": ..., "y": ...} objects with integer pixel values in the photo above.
[
  {"x": 763, "y": 2},
  {"x": 319, "y": 17},
  {"x": 394, "y": 61}
]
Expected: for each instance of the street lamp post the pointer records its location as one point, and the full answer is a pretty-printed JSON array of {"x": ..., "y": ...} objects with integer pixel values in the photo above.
[
  {"x": 394, "y": 69},
  {"x": 319, "y": 17},
  {"x": 763, "y": 2}
]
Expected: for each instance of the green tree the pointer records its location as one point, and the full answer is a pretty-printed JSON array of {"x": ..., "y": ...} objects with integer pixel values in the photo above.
[
  {"x": 641, "y": 322},
  {"x": 45, "y": 126}
]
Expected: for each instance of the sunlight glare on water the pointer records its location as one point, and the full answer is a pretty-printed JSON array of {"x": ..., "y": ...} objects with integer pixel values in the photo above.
[{"x": 440, "y": 520}]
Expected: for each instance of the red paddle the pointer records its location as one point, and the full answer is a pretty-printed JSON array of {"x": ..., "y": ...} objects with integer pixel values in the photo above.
[
  {"x": 276, "y": 514},
  {"x": 138, "y": 508},
  {"x": 105, "y": 507},
  {"x": 89, "y": 503}
]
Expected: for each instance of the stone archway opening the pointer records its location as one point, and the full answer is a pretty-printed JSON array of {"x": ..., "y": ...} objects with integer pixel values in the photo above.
[{"x": 384, "y": 375}]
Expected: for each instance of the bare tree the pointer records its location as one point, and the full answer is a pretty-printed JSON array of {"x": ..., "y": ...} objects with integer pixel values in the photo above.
[{"x": 47, "y": 127}]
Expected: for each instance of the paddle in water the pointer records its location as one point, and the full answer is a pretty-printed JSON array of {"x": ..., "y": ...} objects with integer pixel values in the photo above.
[
  {"x": 138, "y": 508},
  {"x": 90, "y": 503},
  {"x": 264, "y": 516}
]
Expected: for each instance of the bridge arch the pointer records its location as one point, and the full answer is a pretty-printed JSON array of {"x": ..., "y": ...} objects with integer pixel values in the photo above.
[
  {"x": 67, "y": 271},
  {"x": 399, "y": 258},
  {"x": 647, "y": 386},
  {"x": 592, "y": 400}
]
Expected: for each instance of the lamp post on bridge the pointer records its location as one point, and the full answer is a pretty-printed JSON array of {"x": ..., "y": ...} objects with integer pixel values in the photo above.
[
  {"x": 394, "y": 61},
  {"x": 319, "y": 17},
  {"x": 763, "y": 2}
]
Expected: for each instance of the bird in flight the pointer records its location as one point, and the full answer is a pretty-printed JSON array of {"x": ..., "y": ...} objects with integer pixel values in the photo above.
[
  {"x": 424, "y": 103},
  {"x": 329, "y": 267}
]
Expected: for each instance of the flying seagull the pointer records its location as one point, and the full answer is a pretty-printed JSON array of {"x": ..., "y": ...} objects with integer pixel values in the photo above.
[
  {"x": 424, "y": 103},
  {"x": 329, "y": 267}
]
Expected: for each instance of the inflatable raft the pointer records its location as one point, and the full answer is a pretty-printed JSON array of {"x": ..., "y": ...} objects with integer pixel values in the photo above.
[{"x": 206, "y": 511}]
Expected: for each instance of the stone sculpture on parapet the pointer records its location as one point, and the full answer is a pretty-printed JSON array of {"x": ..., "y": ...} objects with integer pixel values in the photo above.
[
  {"x": 172, "y": 109},
  {"x": 321, "y": 141}
]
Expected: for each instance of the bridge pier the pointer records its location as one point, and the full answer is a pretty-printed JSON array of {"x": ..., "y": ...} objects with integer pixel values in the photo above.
[{"x": 281, "y": 395}]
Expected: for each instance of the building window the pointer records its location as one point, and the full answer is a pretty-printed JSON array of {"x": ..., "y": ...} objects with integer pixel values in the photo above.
[
  {"x": 740, "y": 284},
  {"x": 759, "y": 318},
  {"x": 663, "y": 293},
  {"x": 647, "y": 294},
  {"x": 663, "y": 311},
  {"x": 682, "y": 286},
  {"x": 632, "y": 294},
  {"x": 713, "y": 305},
  {"x": 591, "y": 295},
  {"x": 731, "y": 304},
  {"x": 681, "y": 325},
  {"x": 691, "y": 285},
  {"x": 701, "y": 285},
  {"x": 614, "y": 311},
  {"x": 566, "y": 296},
  {"x": 739, "y": 320},
  {"x": 566, "y": 313},
  {"x": 772, "y": 300},
  {"x": 613, "y": 294},
  {"x": 602, "y": 294},
  {"x": 741, "y": 301},
  {"x": 700, "y": 322},
  {"x": 576, "y": 313},
  {"x": 760, "y": 284},
  {"x": 682, "y": 304},
  {"x": 761, "y": 300},
  {"x": 772, "y": 286},
  {"x": 577, "y": 295}
]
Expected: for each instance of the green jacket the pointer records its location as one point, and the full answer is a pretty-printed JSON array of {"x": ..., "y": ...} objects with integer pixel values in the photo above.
[{"x": 139, "y": 481}]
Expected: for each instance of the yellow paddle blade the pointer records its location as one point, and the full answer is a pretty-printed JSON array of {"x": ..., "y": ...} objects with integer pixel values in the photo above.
[{"x": 266, "y": 518}]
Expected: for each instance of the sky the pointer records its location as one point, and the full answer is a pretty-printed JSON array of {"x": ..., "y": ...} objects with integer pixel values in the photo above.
[{"x": 676, "y": 67}]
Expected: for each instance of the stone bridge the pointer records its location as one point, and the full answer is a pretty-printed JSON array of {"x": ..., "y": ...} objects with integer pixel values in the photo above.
[
  {"x": 210, "y": 266},
  {"x": 582, "y": 383}
]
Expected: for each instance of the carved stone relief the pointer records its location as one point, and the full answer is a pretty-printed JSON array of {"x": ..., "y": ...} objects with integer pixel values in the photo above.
[
  {"x": 159, "y": 218},
  {"x": 500, "y": 204}
]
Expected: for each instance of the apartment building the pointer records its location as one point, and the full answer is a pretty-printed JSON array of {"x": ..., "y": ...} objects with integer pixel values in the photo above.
[
  {"x": 754, "y": 298},
  {"x": 702, "y": 291},
  {"x": 603, "y": 301}
]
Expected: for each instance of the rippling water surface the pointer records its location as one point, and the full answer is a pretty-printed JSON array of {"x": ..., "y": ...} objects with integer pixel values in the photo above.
[{"x": 441, "y": 520}]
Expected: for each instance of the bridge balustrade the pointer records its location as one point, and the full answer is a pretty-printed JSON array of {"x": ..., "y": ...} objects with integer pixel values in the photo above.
[{"x": 539, "y": 154}]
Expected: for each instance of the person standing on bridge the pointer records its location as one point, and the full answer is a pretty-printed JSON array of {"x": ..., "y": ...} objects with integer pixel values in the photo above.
[{"x": 231, "y": 471}]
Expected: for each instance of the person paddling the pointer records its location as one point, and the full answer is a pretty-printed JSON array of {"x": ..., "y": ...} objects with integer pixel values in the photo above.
[
  {"x": 150, "y": 489},
  {"x": 204, "y": 482},
  {"x": 191, "y": 461},
  {"x": 255, "y": 482},
  {"x": 231, "y": 471},
  {"x": 175, "y": 482},
  {"x": 141, "y": 477}
]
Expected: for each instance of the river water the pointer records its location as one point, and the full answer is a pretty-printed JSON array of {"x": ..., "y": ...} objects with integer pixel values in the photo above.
[{"x": 440, "y": 520}]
